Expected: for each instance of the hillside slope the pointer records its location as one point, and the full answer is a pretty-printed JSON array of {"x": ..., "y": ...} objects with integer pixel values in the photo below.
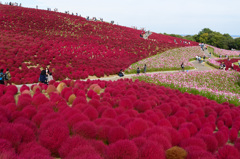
[{"x": 71, "y": 46}]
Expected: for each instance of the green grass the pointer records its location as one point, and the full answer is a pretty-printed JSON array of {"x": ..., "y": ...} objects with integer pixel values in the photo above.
[{"x": 160, "y": 69}]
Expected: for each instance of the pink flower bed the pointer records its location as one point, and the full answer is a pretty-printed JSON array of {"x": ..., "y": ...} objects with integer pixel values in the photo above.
[
  {"x": 69, "y": 45},
  {"x": 121, "y": 119},
  {"x": 224, "y": 52}
]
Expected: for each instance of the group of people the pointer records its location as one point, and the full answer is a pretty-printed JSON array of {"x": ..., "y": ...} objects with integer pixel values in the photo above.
[
  {"x": 200, "y": 59},
  {"x": 45, "y": 76},
  {"x": 222, "y": 66},
  {"x": 5, "y": 78},
  {"x": 121, "y": 73}
]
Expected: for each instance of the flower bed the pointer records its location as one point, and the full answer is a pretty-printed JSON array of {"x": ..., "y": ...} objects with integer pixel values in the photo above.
[
  {"x": 121, "y": 119},
  {"x": 69, "y": 45},
  {"x": 215, "y": 84},
  {"x": 168, "y": 60},
  {"x": 217, "y": 52}
]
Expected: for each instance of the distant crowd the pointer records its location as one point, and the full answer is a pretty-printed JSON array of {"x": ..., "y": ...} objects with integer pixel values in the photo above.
[
  {"x": 56, "y": 10},
  {"x": 5, "y": 78}
]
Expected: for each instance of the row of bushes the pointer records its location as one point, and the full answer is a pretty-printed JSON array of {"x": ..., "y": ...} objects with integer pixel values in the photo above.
[{"x": 121, "y": 119}]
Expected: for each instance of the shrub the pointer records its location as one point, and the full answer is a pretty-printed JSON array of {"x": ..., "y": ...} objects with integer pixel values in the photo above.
[
  {"x": 161, "y": 140},
  {"x": 193, "y": 141},
  {"x": 5, "y": 146},
  {"x": 85, "y": 129},
  {"x": 11, "y": 89},
  {"x": 71, "y": 143},
  {"x": 71, "y": 98},
  {"x": 32, "y": 150},
  {"x": 79, "y": 100},
  {"x": 109, "y": 113},
  {"x": 227, "y": 151},
  {"x": 39, "y": 99},
  {"x": 50, "y": 89},
  {"x": 91, "y": 113},
  {"x": 233, "y": 134},
  {"x": 84, "y": 152},
  {"x": 211, "y": 142},
  {"x": 24, "y": 87},
  {"x": 151, "y": 150},
  {"x": 61, "y": 86},
  {"x": 122, "y": 149},
  {"x": 6, "y": 99},
  {"x": 221, "y": 138},
  {"x": 117, "y": 133},
  {"x": 136, "y": 127},
  {"x": 53, "y": 137},
  {"x": 77, "y": 118},
  {"x": 24, "y": 100},
  {"x": 176, "y": 153},
  {"x": 126, "y": 104},
  {"x": 10, "y": 133}
]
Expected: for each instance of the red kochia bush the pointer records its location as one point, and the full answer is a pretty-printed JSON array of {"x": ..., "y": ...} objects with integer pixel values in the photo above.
[
  {"x": 10, "y": 133},
  {"x": 116, "y": 134},
  {"x": 86, "y": 129},
  {"x": 91, "y": 113},
  {"x": 53, "y": 137},
  {"x": 33, "y": 149},
  {"x": 11, "y": 89},
  {"x": 84, "y": 152},
  {"x": 211, "y": 142},
  {"x": 122, "y": 149},
  {"x": 228, "y": 151},
  {"x": 151, "y": 150},
  {"x": 136, "y": 127},
  {"x": 5, "y": 146},
  {"x": 70, "y": 143},
  {"x": 6, "y": 99},
  {"x": 233, "y": 134},
  {"x": 23, "y": 88},
  {"x": 39, "y": 99},
  {"x": 24, "y": 100},
  {"x": 193, "y": 141}
]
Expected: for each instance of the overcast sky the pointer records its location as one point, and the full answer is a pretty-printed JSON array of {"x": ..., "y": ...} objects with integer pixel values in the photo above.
[{"x": 160, "y": 16}]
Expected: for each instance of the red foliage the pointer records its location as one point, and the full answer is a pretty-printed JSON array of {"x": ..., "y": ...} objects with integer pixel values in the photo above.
[
  {"x": 233, "y": 134},
  {"x": 71, "y": 143},
  {"x": 136, "y": 127},
  {"x": 151, "y": 149},
  {"x": 117, "y": 133},
  {"x": 53, "y": 142},
  {"x": 85, "y": 129},
  {"x": 122, "y": 149},
  {"x": 39, "y": 99},
  {"x": 227, "y": 151},
  {"x": 193, "y": 141},
  {"x": 33, "y": 150}
]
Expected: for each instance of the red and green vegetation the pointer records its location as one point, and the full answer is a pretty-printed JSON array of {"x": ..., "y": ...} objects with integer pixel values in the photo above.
[{"x": 70, "y": 45}]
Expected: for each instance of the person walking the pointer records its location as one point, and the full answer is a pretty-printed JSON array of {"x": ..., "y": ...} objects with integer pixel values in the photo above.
[
  {"x": 145, "y": 68},
  {"x": 182, "y": 66}
]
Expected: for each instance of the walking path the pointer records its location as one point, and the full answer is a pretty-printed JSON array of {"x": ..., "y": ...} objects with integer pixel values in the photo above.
[{"x": 198, "y": 67}]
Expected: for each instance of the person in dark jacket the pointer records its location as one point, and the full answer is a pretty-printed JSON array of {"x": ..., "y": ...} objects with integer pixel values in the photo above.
[{"x": 43, "y": 78}]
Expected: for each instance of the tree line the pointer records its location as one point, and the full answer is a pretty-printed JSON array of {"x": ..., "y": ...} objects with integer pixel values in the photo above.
[{"x": 207, "y": 36}]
